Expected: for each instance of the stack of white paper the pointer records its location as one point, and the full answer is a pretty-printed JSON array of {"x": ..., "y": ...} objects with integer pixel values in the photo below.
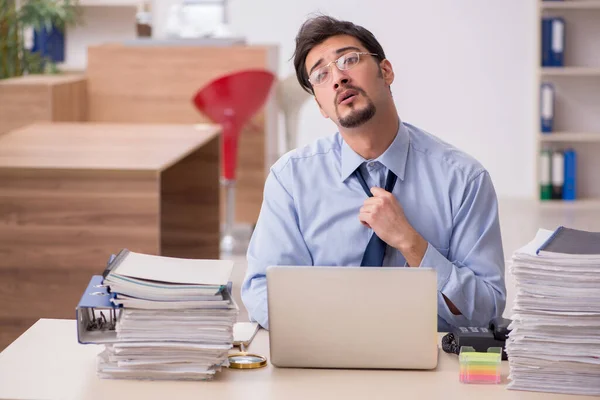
[
  {"x": 176, "y": 320},
  {"x": 554, "y": 345},
  {"x": 162, "y": 360}
]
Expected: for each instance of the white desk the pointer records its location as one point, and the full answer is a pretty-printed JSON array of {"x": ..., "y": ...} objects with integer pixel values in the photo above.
[{"x": 46, "y": 362}]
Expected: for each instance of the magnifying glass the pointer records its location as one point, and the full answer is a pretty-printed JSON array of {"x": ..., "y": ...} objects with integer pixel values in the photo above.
[{"x": 245, "y": 360}]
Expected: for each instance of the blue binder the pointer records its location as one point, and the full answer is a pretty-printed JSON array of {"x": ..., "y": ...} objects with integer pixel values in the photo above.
[
  {"x": 570, "y": 184},
  {"x": 558, "y": 174},
  {"x": 96, "y": 314},
  {"x": 558, "y": 42},
  {"x": 557, "y": 48},
  {"x": 49, "y": 43},
  {"x": 546, "y": 41},
  {"x": 553, "y": 42},
  {"x": 547, "y": 107},
  {"x": 571, "y": 241},
  {"x": 549, "y": 240}
]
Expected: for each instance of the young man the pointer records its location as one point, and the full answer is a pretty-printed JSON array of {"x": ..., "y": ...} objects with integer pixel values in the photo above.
[{"x": 378, "y": 192}]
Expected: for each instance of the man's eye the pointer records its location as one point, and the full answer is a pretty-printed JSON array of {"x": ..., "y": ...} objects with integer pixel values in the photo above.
[
  {"x": 321, "y": 76},
  {"x": 350, "y": 60}
]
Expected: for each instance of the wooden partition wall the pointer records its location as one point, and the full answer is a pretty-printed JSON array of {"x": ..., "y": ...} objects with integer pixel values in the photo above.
[
  {"x": 156, "y": 84},
  {"x": 41, "y": 98}
]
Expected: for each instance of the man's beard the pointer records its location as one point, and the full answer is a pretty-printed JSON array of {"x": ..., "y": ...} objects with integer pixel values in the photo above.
[{"x": 356, "y": 117}]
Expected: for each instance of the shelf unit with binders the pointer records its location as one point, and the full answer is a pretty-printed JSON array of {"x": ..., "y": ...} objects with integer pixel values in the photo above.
[{"x": 574, "y": 103}]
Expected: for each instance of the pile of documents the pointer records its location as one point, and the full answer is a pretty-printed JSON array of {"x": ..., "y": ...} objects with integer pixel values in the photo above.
[
  {"x": 176, "y": 320},
  {"x": 554, "y": 345}
]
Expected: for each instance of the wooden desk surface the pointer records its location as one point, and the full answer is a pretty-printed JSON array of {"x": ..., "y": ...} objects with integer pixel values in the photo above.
[
  {"x": 47, "y": 362},
  {"x": 102, "y": 146}
]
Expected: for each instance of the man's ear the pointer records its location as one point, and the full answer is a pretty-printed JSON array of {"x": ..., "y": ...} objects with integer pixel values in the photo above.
[
  {"x": 321, "y": 109},
  {"x": 387, "y": 72}
]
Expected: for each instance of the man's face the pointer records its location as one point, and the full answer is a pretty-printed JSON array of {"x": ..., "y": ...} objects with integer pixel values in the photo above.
[{"x": 349, "y": 97}]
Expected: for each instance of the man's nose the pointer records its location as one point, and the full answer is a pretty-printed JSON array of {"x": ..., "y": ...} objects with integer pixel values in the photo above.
[{"x": 339, "y": 78}]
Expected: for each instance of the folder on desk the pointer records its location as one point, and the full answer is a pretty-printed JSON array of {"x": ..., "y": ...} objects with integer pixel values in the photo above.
[
  {"x": 553, "y": 41},
  {"x": 96, "y": 314},
  {"x": 547, "y": 107},
  {"x": 572, "y": 242},
  {"x": 143, "y": 274}
]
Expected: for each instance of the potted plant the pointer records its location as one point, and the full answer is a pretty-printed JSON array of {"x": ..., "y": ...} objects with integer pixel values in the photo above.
[{"x": 48, "y": 20}]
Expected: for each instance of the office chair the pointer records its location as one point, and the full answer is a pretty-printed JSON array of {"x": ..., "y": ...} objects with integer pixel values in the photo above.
[
  {"x": 291, "y": 97},
  {"x": 232, "y": 100}
]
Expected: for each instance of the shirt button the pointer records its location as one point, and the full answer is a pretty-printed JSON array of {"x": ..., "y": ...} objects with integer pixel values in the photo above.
[{"x": 371, "y": 164}]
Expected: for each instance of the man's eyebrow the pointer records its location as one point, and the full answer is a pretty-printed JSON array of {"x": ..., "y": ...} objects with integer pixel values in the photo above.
[
  {"x": 345, "y": 49},
  {"x": 315, "y": 66},
  {"x": 338, "y": 51}
]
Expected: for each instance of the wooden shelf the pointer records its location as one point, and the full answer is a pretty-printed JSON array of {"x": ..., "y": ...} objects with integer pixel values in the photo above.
[
  {"x": 570, "y": 71},
  {"x": 592, "y": 203},
  {"x": 576, "y": 101},
  {"x": 570, "y": 137},
  {"x": 570, "y": 5}
]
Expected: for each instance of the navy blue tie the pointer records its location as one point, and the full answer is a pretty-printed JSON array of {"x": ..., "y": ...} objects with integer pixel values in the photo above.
[{"x": 375, "y": 250}]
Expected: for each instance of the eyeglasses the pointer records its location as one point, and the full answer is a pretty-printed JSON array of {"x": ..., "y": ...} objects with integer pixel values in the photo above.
[{"x": 322, "y": 74}]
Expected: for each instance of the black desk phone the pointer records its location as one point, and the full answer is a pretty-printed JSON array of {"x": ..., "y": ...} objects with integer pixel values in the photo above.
[{"x": 480, "y": 338}]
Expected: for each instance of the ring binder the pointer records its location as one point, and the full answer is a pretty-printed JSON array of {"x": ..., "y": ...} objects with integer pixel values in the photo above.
[
  {"x": 159, "y": 317},
  {"x": 96, "y": 314},
  {"x": 547, "y": 93}
]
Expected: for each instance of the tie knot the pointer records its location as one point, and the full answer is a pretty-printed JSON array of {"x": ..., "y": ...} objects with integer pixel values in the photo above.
[{"x": 389, "y": 183}]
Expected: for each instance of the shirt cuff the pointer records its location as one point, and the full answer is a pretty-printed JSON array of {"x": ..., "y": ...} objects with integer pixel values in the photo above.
[
  {"x": 261, "y": 316},
  {"x": 447, "y": 315},
  {"x": 435, "y": 260}
]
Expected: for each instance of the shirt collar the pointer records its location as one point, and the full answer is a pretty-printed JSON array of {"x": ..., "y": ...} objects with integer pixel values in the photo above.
[{"x": 393, "y": 158}]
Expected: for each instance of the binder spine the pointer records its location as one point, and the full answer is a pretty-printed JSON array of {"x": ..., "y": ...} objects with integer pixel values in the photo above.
[
  {"x": 553, "y": 42},
  {"x": 95, "y": 314},
  {"x": 570, "y": 175},
  {"x": 558, "y": 174},
  {"x": 546, "y": 42},
  {"x": 550, "y": 239},
  {"x": 547, "y": 107},
  {"x": 558, "y": 42},
  {"x": 545, "y": 175}
]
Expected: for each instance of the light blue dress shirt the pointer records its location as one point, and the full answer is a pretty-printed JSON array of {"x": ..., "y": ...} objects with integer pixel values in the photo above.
[{"x": 309, "y": 216}]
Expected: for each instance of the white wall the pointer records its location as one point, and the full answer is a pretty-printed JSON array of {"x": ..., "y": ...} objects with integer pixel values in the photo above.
[
  {"x": 465, "y": 71},
  {"x": 100, "y": 25}
]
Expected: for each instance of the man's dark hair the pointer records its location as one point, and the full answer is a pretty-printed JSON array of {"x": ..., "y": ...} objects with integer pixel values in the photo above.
[{"x": 318, "y": 29}]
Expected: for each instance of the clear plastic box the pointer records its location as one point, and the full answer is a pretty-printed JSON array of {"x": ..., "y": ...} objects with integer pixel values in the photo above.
[{"x": 480, "y": 367}]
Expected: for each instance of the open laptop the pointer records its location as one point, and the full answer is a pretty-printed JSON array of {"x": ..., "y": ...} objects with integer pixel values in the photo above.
[{"x": 352, "y": 317}]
